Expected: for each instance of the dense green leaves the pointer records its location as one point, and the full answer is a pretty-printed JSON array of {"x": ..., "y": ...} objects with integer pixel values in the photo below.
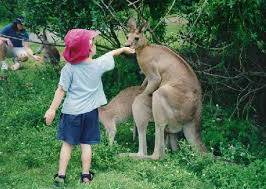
[
  {"x": 228, "y": 21},
  {"x": 225, "y": 41},
  {"x": 109, "y": 17}
]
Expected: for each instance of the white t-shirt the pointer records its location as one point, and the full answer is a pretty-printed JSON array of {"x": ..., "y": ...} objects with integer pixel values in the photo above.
[{"x": 83, "y": 84}]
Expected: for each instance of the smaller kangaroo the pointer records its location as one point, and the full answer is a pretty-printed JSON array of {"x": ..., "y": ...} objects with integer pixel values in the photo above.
[{"x": 118, "y": 110}]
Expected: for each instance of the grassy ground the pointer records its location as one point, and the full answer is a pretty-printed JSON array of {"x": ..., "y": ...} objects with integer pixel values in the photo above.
[{"x": 29, "y": 149}]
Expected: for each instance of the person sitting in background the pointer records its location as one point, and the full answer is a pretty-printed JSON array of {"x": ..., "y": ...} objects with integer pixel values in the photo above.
[{"x": 14, "y": 37}]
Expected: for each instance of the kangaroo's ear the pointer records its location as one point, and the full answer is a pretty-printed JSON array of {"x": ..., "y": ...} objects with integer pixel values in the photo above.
[
  {"x": 143, "y": 27},
  {"x": 44, "y": 34},
  {"x": 131, "y": 24},
  {"x": 39, "y": 36}
]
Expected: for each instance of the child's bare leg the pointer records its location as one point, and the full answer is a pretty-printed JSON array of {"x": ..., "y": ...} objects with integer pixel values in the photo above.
[
  {"x": 86, "y": 158},
  {"x": 65, "y": 155}
]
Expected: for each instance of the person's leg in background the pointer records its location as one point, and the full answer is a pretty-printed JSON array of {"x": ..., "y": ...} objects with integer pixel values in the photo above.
[{"x": 19, "y": 55}]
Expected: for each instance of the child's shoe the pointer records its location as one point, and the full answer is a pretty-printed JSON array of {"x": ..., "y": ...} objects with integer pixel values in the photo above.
[
  {"x": 86, "y": 178},
  {"x": 59, "y": 180}
]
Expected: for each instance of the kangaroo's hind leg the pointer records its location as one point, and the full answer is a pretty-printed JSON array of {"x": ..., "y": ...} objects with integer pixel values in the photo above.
[
  {"x": 160, "y": 111},
  {"x": 192, "y": 134},
  {"x": 142, "y": 114}
]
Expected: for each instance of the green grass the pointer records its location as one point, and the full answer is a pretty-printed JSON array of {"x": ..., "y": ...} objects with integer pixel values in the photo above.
[{"x": 29, "y": 150}]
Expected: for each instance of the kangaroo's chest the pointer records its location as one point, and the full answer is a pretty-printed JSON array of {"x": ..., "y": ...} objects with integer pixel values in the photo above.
[{"x": 147, "y": 63}]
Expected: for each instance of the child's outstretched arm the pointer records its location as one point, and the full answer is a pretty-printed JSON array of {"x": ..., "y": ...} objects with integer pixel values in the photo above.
[
  {"x": 126, "y": 50},
  {"x": 58, "y": 97}
]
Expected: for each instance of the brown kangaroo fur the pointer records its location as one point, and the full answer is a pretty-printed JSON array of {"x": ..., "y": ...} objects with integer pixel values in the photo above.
[
  {"x": 176, "y": 94},
  {"x": 3, "y": 50},
  {"x": 120, "y": 109}
]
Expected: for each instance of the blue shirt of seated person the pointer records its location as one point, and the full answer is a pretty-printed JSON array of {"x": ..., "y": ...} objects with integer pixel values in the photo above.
[{"x": 13, "y": 31}]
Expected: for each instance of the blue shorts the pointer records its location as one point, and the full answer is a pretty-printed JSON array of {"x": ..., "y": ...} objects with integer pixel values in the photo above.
[{"x": 79, "y": 129}]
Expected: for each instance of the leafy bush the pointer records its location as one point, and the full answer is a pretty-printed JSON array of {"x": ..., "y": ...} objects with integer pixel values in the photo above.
[
  {"x": 224, "y": 175},
  {"x": 126, "y": 73},
  {"x": 8, "y": 10},
  {"x": 109, "y": 17},
  {"x": 234, "y": 140},
  {"x": 225, "y": 40}
]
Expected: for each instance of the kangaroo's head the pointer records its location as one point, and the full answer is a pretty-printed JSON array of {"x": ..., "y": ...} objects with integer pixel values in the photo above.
[{"x": 135, "y": 37}]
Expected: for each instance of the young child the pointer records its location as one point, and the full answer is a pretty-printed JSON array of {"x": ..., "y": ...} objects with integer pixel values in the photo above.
[{"x": 81, "y": 80}]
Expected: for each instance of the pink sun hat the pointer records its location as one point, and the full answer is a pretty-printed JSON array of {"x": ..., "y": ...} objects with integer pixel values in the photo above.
[{"x": 78, "y": 44}]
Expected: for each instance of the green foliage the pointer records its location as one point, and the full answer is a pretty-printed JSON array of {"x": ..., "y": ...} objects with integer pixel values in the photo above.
[
  {"x": 229, "y": 21},
  {"x": 126, "y": 73},
  {"x": 57, "y": 16},
  {"x": 238, "y": 141},
  {"x": 9, "y": 10},
  {"x": 110, "y": 17},
  {"x": 156, "y": 11},
  {"x": 225, "y": 41},
  {"x": 2, "y": 13},
  {"x": 224, "y": 175}
]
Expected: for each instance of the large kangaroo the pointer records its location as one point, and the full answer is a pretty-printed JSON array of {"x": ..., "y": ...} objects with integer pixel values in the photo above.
[{"x": 176, "y": 94}]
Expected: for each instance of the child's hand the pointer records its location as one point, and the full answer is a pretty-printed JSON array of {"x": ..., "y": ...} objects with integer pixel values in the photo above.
[
  {"x": 128, "y": 50},
  {"x": 49, "y": 116}
]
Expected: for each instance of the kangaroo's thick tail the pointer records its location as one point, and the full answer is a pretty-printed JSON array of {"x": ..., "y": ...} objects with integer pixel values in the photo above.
[{"x": 201, "y": 145}]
